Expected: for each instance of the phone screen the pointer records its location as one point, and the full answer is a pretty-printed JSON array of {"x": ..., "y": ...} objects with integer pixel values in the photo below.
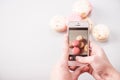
[{"x": 78, "y": 40}]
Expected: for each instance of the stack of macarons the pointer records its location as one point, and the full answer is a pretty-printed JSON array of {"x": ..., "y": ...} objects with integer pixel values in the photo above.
[{"x": 78, "y": 46}]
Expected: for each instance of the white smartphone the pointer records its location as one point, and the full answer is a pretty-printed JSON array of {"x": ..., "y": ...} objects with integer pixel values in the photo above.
[{"x": 78, "y": 39}]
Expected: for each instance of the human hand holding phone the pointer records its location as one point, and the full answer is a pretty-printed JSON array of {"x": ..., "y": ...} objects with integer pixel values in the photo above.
[
  {"x": 61, "y": 70},
  {"x": 100, "y": 67}
]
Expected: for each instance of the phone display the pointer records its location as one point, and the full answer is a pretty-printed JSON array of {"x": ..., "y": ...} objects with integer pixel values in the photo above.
[{"x": 78, "y": 37}]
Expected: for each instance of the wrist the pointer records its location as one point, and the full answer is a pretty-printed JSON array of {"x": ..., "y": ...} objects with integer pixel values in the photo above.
[{"x": 111, "y": 74}]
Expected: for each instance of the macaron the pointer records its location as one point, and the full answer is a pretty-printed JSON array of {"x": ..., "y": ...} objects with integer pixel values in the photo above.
[
  {"x": 58, "y": 23},
  {"x": 86, "y": 48},
  {"x": 76, "y": 51},
  {"x": 79, "y": 38},
  {"x": 82, "y": 44},
  {"x": 83, "y": 7},
  {"x": 75, "y": 43},
  {"x": 101, "y": 32}
]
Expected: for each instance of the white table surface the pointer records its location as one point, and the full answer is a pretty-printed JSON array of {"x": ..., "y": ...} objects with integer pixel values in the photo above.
[{"x": 29, "y": 47}]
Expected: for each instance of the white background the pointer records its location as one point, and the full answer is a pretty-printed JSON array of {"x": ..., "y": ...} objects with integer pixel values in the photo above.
[{"x": 29, "y": 47}]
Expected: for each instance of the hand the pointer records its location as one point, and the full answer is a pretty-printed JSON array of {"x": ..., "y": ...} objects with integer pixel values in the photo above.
[
  {"x": 61, "y": 70},
  {"x": 101, "y": 68}
]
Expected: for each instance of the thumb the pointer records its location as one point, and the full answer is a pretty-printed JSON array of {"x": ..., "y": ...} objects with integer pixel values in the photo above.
[{"x": 85, "y": 60}]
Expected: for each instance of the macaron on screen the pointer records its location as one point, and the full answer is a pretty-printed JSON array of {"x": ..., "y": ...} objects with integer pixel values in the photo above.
[{"x": 78, "y": 42}]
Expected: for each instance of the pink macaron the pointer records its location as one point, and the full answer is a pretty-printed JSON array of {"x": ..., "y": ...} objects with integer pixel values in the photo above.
[
  {"x": 76, "y": 51},
  {"x": 75, "y": 43}
]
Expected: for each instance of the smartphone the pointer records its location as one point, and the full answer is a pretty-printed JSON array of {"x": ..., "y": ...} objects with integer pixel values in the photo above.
[{"x": 78, "y": 39}]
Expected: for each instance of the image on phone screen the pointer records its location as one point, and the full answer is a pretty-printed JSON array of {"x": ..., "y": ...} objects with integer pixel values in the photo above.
[{"x": 78, "y": 41}]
